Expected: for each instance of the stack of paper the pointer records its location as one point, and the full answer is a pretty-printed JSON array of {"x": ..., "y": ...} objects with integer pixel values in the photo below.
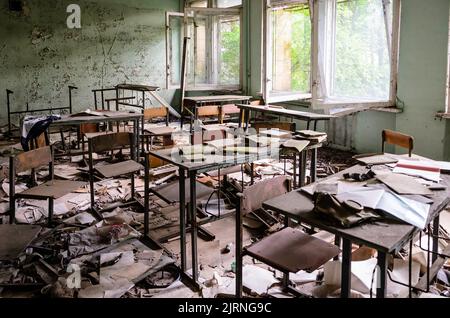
[{"x": 424, "y": 169}]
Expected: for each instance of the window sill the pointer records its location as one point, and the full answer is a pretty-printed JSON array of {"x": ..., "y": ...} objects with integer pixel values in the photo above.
[
  {"x": 393, "y": 110},
  {"x": 341, "y": 112}
]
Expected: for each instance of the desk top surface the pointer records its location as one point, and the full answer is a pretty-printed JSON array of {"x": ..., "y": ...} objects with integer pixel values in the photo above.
[
  {"x": 217, "y": 98},
  {"x": 385, "y": 235},
  {"x": 107, "y": 116},
  {"x": 137, "y": 87},
  {"x": 212, "y": 161},
  {"x": 220, "y": 159},
  {"x": 286, "y": 112}
]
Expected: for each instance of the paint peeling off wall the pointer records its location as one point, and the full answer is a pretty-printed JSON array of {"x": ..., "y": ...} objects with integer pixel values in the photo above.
[{"x": 119, "y": 41}]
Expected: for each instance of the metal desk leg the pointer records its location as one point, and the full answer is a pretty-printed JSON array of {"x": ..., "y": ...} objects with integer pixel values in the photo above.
[
  {"x": 295, "y": 170},
  {"x": 346, "y": 272},
  {"x": 51, "y": 205},
  {"x": 435, "y": 238},
  {"x": 137, "y": 144},
  {"x": 146, "y": 195},
  {"x": 410, "y": 289},
  {"x": 382, "y": 268},
  {"x": 302, "y": 167},
  {"x": 247, "y": 119},
  {"x": 337, "y": 242},
  {"x": 241, "y": 117},
  {"x": 313, "y": 165},
  {"x": 194, "y": 228},
  {"x": 182, "y": 219},
  {"x": 315, "y": 125},
  {"x": 252, "y": 177}
]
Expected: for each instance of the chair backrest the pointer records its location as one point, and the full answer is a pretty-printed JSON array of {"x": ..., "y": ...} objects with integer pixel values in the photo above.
[
  {"x": 155, "y": 112},
  {"x": 254, "y": 196},
  {"x": 398, "y": 139},
  {"x": 108, "y": 142},
  {"x": 205, "y": 111},
  {"x": 230, "y": 109},
  {"x": 32, "y": 159},
  {"x": 39, "y": 142},
  {"x": 257, "y": 102},
  {"x": 288, "y": 126}
]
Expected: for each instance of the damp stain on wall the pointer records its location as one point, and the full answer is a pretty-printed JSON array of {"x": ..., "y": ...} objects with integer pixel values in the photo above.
[{"x": 119, "y": 41}]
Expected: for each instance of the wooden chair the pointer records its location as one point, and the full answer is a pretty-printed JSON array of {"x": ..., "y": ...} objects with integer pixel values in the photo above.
[
  {"x": 209, "y": 113},
  {"x": 106, "y": 143},
  {"x": 165, "y": 132},
  {"x": 398, "y": 139},
  {"x": 50, "y": 190},
  {"x": 288, "y": 250}
]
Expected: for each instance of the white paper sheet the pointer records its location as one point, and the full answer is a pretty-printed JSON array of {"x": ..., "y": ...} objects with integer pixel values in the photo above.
[{"x": 410, "y": 211}]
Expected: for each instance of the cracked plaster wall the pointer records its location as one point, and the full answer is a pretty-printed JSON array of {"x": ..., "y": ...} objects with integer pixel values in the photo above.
[{"x": 119, "y": 41}]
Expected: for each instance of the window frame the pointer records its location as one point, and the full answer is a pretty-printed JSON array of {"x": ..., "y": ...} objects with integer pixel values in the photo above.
[
  {"x": 213, "y": 50},
  {"x": 314, "y": 97}
]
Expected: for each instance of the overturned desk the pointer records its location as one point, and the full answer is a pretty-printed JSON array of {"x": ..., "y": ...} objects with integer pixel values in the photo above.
[
  {"x": 385, "y": 235},
  {"x": 245, "y": 112}
]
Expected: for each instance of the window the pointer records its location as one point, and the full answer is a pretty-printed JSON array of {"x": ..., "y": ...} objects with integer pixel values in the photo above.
[
  {"x": 214, "y": 46},
  {"x": 346, "y": 55},
  {"x": 288, "y": 59}
]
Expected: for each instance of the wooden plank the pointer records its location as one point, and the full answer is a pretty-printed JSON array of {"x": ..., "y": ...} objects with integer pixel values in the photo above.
[
  {"x": 111, "y": 141},
  {"x": 155, "y": 112},
  {"x": 15, "y": 238},
  {"x": 118, "y": 169},
  {"x": 204, "y": 111},
  {"x": 287, "y": 126},
  {"x": 53, "y": 189},
  {"x": 32, "y": 159}
]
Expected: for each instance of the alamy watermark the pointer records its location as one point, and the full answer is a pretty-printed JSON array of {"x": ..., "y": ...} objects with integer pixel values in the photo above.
[{"x": 74, "y": 19}]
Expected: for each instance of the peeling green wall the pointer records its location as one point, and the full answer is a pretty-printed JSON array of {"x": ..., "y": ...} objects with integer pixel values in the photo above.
[
  {"x": 119, "y": 41},
  {"x": 421, "y": 83}
]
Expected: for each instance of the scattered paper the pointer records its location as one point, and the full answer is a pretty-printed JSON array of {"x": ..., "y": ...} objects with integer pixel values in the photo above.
[
  {"x": 258, "y": 279},
  {"x": 403, "y": 184},
  {"x": 424, "y": 169}
]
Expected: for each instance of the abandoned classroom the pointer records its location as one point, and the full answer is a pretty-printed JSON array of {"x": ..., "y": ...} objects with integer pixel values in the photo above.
[{"x": 224, "y": 148}]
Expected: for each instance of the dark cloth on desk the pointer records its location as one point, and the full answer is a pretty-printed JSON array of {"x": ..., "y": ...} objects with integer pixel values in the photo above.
[
  {"x": 33, "y": 127},
  {"x": 327, "y": 205}
]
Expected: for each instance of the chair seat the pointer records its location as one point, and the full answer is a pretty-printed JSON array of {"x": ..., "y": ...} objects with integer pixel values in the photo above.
[
  {"x": 291, "y": 250},
  {"x": 160, "y": 131},
  {"x": 52, "y": 189},
  {"x": 118, "y": 169}
]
